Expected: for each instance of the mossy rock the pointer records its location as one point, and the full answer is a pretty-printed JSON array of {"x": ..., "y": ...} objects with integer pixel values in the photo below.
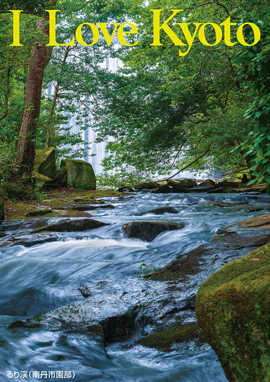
[
  {"x": 149, "y": 230},
  {"x": 233, "y": 309},
  {"x": 208, "y": 183},
  {"x": 40, "y": 180},
  {"x": 45, "y": 162},
  {"x": 146, "y": 186},
  {"x": 182, "y": 185},
  {"x": 175, "y": 335},
  {"x": 80, "y": 174},
  {"x": 2, "y": 216}
]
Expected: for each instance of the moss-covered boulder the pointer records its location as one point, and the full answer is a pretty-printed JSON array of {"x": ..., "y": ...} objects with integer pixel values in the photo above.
[
  {"x": 182, "y": 185},
  {"x": 80, "y": 174},
  {"x": 149, "y": 230},
  {"x": 40, "y": 180},
  {"x": 45, "y": 162},
  {"x": 2, "y": 217},
  {"x": 146, "y": 186},
  {"x": 233, "y": 309},
  {"x": 175, "y": 335},
  {"x": 208, "y": 183}
]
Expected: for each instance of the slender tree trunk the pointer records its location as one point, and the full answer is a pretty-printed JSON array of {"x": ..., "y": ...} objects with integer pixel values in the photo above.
[{"x": 27, "y": 136}]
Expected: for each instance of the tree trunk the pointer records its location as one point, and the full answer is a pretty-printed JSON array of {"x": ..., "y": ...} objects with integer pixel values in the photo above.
[{"x": 27, "y": 136}]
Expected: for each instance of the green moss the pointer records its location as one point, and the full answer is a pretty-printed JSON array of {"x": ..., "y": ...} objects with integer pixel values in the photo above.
[
  {"x": 233, "y": 309},
  {"x": 176, "y": 334}
]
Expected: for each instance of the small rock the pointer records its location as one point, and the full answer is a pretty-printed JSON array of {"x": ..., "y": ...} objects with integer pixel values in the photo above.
[
  {"x": 68, "y": 225},
  {"x": 161, "y": 211},
  {"x": 149, "y": 230}
]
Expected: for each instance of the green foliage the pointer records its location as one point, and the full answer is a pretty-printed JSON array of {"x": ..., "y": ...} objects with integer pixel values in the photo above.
[
  {"x": 163, "y": 111},
  {"x": 145, "y": 269},
  {"x": 118, "y": 180},
  {"x": 254, "y": 68}
]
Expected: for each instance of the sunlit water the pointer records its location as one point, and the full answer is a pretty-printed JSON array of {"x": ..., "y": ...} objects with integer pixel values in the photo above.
[{"x": 105, "y": 263}]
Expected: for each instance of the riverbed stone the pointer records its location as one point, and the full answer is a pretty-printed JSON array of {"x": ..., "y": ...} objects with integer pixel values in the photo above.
[
  {"x": 207, "y": 183},
  {"x": 161, "y": 211},
  {"x": 257, "y": 222},
  {"x": 233, "y": 309},
  {"x": 115, "y": 319},
  {"x": 80, "y": 174},
  {"x": 146, "y": 185},
  {"x": 228, "y": 184},
  {"x": 45, "y": 162},
  {"x": 177, "y": 334},
  {"x": 181, "y": 185},
  {"x": 149, "y": 230},
  {"x": 2, "y": 216},
  {"x": 74, "y": 225}
]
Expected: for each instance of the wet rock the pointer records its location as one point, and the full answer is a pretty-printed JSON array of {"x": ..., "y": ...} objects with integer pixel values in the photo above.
[
  {"x": 115, "y": 319},
  {"x": 87, "y": 207},
  {"x": 218, "y": 190},
  {"x": 125, "y": 189},
  {"x": 182, "y": 185},
  {"x": 233, "y": 311},
  {"x": 228, "y": 184},
  {"x": 146, "y": 186},
  {"x": 207, "y": 183},
  {"x": 39, "y": 211},
  {"x": 45, "y": 162},
  {"x": 80, "y": 174},
  {"x": 2, "y": 216},
  {"x": 200, "y": 189},
  {"x": 149, "y": 230},
  {"x": 239, "y": 241},
  {"x": 164, "y": 188},
  {"x": 30, "y": 240},
  {"x": 177, "y": 334},
  {"x": 230, "y": 246},
  {"x": 161, "y": 211},
  {"x": 23, "y": 224},
  {"x": 68, "y": 225},
  {"x": 258, "y": 222}
]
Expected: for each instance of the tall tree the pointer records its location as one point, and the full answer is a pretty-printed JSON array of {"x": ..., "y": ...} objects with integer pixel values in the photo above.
[{"x": 27, "y": 136}]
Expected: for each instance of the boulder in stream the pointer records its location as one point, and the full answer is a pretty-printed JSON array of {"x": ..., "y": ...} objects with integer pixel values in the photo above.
[
  {"x": 182, "y": 185},
  {"x": 149, "y": 230},
  {"x": 146, "y": 186},
  {"x": 161, "y": 211},
  {"x": 233, "y": 309},
  {"x": 257, "y": 222},
  {"x": 71, "y": 225}
]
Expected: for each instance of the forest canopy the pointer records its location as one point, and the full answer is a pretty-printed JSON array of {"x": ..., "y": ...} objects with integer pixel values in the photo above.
[{"x": 207, "y": 110}]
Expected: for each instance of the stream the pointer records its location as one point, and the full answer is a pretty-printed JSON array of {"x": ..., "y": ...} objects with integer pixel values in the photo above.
[{"x": 101, "y": 267}]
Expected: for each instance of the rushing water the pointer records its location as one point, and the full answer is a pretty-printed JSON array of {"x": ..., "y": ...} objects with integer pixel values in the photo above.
[{"x": 105, "y": 263}]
